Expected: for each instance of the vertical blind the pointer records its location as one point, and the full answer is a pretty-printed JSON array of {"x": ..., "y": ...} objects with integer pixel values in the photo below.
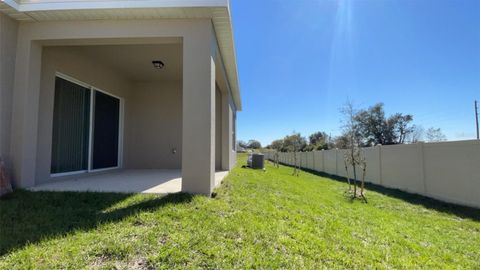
[
  {"x": 71, "y": 129},
  {"x": 71, "y": 118}
]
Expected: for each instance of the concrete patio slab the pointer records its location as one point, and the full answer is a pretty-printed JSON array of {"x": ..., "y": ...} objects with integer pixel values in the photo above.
[{"x": 126, "y": 181}]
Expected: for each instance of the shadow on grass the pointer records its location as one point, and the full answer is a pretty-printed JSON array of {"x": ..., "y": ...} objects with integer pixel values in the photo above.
[
  {"x": 430, "y": 203},
  {"x": 30, "y": 217}
]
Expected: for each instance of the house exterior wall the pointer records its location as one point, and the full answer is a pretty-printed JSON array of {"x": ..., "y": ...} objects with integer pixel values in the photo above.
[
  {"x": 67, "y": 61},
  {"x": 8, "y": 43},
  {"x": 199, "y": 85},
  {"x": 229, "y": 153},
  {"x": 153, "y": 126},
  {"x": 152, "y": 112},
  {"x": 234, "y": 129},
  {"x": 200, "y": 53},
  {"x": 218, "y": 129}
]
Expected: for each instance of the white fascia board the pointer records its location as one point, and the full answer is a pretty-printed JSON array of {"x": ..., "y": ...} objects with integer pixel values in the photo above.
[
  {"x": 12, "y": 3},
  {"x": 122, "y": 4}
]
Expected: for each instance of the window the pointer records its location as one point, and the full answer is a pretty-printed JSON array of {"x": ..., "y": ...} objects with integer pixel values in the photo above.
[
  {"x": 86, "y": 126},
  {"x": 105, "y": 132},
  {"x": 71, "y": 127},
  {"x": 234, "y": 131}
]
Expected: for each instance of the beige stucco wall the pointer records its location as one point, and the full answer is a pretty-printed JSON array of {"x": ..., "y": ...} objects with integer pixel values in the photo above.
[
  {"x": 230, "y": 122},
  {"x": 447, "y": 171},
  {"x": 152, "y": 112},
  {"x": 68, "y": 61},
  {"x": 200, "y": 59},
  {"x": 153, "y": 126},
  {"x": 218, "y": 129},
  {"x": 8, "y": 42},
  {"x": 31, "y": 37}
]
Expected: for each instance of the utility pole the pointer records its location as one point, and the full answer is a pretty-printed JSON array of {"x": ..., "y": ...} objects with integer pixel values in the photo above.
[{"x": 476, "y": 119}]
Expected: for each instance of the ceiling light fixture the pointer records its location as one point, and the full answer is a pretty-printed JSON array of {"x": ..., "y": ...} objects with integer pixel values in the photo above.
[{"x": 158, "y": 64}]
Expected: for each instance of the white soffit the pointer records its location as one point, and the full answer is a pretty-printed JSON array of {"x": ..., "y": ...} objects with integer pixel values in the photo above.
[{"x": 61, "y": 10}]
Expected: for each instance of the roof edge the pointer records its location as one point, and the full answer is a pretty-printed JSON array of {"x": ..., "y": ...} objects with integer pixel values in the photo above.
[
  {"x": 102, "y": 4},
  {"x": 221, "y": 15}
]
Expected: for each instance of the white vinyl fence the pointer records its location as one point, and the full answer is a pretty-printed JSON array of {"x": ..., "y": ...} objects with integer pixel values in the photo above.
[{"x": 447, "y": 171}]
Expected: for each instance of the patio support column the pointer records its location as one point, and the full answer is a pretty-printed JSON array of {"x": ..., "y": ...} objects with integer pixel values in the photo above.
[
  {"x": 198, "y": 135},
  {"x": 227, "y": 129},
  {"x": 23, "y": 145}
]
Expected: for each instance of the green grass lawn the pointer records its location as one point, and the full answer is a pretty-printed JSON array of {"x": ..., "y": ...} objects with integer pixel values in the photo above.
[{"x": 257, "y": 220}]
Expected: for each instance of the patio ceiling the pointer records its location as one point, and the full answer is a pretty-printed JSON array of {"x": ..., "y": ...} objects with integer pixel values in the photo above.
[
  {"x": 134, "y": 62},
  {"x": 216, "y": 10}
]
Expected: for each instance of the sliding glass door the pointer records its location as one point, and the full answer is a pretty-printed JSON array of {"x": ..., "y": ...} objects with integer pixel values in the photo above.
[
  {"x": 105, "y": 132},
  {"x": 71, "y": 127},
  {"x": 86, "y": 128}
]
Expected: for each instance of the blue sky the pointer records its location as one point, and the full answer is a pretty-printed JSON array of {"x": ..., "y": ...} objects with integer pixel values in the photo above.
[{"x": 300, "y": 61}]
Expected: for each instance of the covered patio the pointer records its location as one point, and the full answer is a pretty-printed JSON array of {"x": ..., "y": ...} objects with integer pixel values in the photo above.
[
  {"x": 144, "y": 148},
  {"x": 123, "y": 107},
  {"x": 125, "y": 181}
]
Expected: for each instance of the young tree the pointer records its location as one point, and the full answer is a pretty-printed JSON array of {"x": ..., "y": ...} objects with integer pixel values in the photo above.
[
  {"x": 294, "y": 143},
  {"x": 435, "y": 135},
  {"x": 276, "y": 158},
  {"x": 353, "y": 157}
]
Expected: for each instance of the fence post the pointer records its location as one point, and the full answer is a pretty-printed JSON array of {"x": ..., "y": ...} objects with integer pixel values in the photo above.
[
  {"x": 421, "y": 152},
  {"x": 313, "y": 160},
  {"x": 301, "y": 159},
  {"x": 380, "y": 169},
  {"x": 305, "y": 162},
  {"x": 336, "y": 161},
  {"x": 323, "y": 160}
]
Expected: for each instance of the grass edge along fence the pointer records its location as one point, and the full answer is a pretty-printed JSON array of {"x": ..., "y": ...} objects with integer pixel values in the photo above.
[{"x": 447, "y": 171}]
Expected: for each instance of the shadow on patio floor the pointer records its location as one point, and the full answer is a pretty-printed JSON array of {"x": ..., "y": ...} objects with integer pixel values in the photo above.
[{"x": 29, "y": 217}]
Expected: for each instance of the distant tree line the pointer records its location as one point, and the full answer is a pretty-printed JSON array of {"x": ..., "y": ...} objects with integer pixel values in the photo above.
[
  {"x": 296, "y": 142},
  {"x": 251, "y": 144},
  {"x": 372, "y": 127}
]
